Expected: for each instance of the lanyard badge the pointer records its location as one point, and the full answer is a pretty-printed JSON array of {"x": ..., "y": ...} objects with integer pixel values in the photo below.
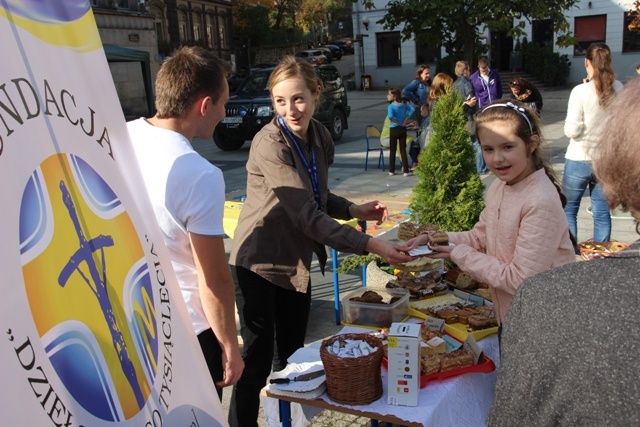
[{"x": 312, "y": 169}]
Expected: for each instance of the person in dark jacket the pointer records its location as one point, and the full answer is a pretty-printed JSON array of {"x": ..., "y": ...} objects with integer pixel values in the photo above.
[
  {"x": 486, "y": 83},
  {"x": 572, "y": 336},
  {"x": 525, "y": 91},
  {"x": 464, "y": 86}
]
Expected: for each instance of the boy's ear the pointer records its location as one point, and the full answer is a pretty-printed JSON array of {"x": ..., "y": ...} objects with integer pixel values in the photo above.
[{"x": 203, "y": 103}]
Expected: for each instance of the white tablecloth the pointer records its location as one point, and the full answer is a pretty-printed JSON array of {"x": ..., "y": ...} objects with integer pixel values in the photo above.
[{"x": 461, "y": 401}]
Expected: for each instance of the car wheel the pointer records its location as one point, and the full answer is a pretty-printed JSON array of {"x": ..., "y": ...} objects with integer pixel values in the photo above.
[
  {"x": 337, "y": 125},
  {"x": 227, "y": 144}
]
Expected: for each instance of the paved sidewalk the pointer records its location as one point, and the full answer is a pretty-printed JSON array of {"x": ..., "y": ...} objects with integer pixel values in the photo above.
[{"x": 348, "y": 178}]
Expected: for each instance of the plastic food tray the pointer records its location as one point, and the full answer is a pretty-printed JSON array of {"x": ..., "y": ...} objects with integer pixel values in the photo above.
[
  {"x": 484, "y": 366},
  {"x": 456, "y": 330},
  {"x": 473, "y": 292},
  {"x": 375, "y": 316}
]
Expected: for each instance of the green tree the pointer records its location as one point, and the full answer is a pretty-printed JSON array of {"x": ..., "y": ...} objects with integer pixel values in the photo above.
[
  {"x": 250, "y": 22},
  {"x": 455, "y": 24},
  {"x": 449, "y": 192},
  {"x": 315, "y": 11}
]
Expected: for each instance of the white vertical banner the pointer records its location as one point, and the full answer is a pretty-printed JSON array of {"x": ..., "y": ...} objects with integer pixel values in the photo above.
[{"x": 95, "y": 330}]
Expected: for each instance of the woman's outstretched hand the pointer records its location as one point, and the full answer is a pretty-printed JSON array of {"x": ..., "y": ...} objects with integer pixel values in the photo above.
[
  {"x": 387, "y": 250},
  {"x": 372, "y": 211}
]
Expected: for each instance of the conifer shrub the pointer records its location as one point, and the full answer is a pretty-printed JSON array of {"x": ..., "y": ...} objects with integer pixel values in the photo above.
[{"x": 449, "y": 192}]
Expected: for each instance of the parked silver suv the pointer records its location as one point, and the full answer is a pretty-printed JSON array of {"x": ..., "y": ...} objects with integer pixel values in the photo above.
[{"x": 314, "y": 56}]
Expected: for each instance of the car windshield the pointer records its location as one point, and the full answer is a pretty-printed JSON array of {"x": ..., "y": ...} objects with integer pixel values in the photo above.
[{"x": 256, "y": 84}]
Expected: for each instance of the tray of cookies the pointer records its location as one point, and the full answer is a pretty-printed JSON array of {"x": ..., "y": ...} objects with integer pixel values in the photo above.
[
  {"x": 458, "y": 279},
  {"x": 442, "y": 356},
  {"x": 462, "y": 317}
]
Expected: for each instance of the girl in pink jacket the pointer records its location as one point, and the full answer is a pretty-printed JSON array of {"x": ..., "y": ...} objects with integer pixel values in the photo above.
[{"x": 523, "y": 230}]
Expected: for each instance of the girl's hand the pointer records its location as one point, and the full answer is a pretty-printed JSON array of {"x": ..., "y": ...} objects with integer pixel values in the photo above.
[
  {"x": 443, "y": 252},
  {"x": 413, "y": 243},
  {"x": 372, "y": 211}
]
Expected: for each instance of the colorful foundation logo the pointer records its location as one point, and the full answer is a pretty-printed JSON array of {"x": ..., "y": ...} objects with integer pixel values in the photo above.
[
  {"x": 89, "y": 288},
  {"x": 68, "y": 23}
]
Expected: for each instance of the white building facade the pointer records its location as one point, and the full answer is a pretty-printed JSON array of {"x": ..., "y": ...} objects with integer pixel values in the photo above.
[
  {"x": 603, "y": 21},
  {"x": 390, "y": 62}
]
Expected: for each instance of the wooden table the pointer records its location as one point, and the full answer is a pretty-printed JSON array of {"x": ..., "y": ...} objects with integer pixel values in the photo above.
[{"x": 285, "y": 410}]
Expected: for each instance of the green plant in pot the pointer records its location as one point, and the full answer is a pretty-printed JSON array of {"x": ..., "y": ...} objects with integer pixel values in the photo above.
[{"x": 354, "y": 262}]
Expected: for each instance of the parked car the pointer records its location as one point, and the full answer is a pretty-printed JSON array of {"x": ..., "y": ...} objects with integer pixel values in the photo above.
[
  {"x": 327, "y": 52},
  {"x": 251, "y": 108},
  {"x": 345, "y": 45},
  {"x": 314, "y": 56},
  {"x": 336, "y": 51},
  {"x": 236, "y": 79}
]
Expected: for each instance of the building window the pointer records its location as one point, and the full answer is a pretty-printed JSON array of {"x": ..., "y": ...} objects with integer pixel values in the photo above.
[
  {"x": 388, "y": 49},
  {"x": 630, "y": 38},
  {"x": 427, "y": 53},
  {"x": 589, "y": 29},
  {"x": 211, "y": 32},
  {"x": 542, "y": 32},
  {"x": 197, "y": 26},
  {"x": 222, "y": 31},
  {"x": 183, "y": 27},
  {"x": 158, "y": 22}
]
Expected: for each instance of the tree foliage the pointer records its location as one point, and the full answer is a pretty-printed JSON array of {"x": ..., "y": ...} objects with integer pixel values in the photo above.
[
  {"x": 250, "y": 20},
  {"x": 635, "y": 11},
  {"x": 455, "y": 24},
  {"x": 449, "y": 192},
  {"x": 316, "y": 11}
]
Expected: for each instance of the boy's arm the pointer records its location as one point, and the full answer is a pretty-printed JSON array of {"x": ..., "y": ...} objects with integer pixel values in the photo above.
[{"x": 217, "y": 294}]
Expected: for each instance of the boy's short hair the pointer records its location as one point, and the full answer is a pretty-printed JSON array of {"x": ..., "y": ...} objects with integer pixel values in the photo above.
[
  {"x": 483, "y": 62},
  {"x": 460, "y": 67},
  {"x": 188, "y": 74}
]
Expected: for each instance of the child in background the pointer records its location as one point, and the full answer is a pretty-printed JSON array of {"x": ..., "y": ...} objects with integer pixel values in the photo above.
[
  {"x": 523, "y": 230},
  {"x": 399, "y": 114},
  {"x": 420, "y": 143}
]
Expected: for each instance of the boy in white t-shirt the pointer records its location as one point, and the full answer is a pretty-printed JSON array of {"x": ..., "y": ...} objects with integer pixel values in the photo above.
[{"x": 187, "y": 194}]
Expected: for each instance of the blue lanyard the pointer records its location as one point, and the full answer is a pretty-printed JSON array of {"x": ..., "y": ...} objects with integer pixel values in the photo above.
[{"x": 312, "y": 169}]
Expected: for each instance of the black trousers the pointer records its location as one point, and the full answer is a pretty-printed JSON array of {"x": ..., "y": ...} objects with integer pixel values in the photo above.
[
  {"x": 398, "y": 135},
  {"x": 213, "y": 356},
  {"x": 273, "y": 325}
]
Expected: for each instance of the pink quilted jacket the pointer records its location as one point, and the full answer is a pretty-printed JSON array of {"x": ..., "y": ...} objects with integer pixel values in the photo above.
[{"x": 522, "y": 231}]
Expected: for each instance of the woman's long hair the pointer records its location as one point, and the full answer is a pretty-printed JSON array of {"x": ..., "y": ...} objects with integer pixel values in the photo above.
[
  {"x": 419, "y": 71},
  {"x": 603, "y": 77}
]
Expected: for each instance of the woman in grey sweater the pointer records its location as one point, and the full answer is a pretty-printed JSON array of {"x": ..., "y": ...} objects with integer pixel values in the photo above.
[{"x": 572, "y": 337}]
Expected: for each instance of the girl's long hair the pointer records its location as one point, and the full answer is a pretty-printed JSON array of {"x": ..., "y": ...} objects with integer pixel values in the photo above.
[{"x": 603, "y": 77}]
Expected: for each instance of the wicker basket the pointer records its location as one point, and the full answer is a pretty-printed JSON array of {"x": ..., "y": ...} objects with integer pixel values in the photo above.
[
  {"x": 592, "y": 250},
  {"x": 353, "y": 380}
]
